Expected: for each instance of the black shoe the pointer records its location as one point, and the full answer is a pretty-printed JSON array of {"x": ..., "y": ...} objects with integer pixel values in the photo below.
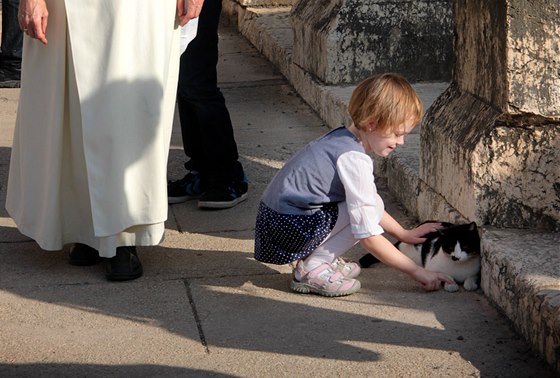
[
  {"x": 189, "y": 187},
  {"x": 10, "y": 75},
  {"x": 84, "y": 255},
  {"x": 224, "y": 196},
  {"x": 124, "y": 266}
]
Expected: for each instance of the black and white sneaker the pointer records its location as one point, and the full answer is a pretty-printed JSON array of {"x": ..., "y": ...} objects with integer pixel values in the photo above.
[
  {"x": 10, "y": 75},
  {"x": 187, "y": 188},
  {"x": 225, "y": 196}
]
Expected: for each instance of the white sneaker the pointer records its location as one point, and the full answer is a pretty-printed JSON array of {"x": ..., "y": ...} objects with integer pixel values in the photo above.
[
  {"x": 323, "y": 280},
  {"x": 348, "y": 269}
]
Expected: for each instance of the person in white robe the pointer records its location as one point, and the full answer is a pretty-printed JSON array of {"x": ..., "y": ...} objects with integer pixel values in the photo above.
[{"x": 89, "y": 157}]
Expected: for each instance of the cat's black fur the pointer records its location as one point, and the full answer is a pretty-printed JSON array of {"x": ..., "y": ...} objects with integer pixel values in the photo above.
[{"x": 453, "y": 250}]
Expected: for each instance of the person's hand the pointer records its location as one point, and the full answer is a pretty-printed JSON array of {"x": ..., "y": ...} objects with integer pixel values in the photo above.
[
  {"x": 431, "y": 280},
  {"x": 416, "y": 235},
  {"x": 188, "y": 9},
  {"x": 33, "y": 17}
]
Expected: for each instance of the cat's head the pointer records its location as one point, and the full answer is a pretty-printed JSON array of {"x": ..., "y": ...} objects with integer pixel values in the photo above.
[{"x": 461, "y": 242}]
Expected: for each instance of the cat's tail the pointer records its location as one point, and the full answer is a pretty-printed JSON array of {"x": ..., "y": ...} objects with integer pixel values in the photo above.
[{"x": 368, "y": 260}]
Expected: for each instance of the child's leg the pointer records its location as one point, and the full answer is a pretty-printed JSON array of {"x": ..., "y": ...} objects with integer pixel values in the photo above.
[
  {"x": 317, "y": 273},
  {"x": 336, "y": 244}
]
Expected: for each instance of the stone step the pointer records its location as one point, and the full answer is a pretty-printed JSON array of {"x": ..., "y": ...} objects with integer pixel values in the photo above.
[
  {"x": 520, "y": 268},
  {"x": 521, "y": 275}
]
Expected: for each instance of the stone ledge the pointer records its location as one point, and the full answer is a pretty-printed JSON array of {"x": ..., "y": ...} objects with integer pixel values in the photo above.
[
  {"x": 402, "y": 172},
  {"x": 521, "y": 275},
  {"x": 519, "y": 269}
]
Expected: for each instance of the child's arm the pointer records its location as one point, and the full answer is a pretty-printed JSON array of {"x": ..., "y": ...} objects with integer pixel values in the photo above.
[
  {"x": 414, "y": 236},
  {"x": 384, "y": 250}
]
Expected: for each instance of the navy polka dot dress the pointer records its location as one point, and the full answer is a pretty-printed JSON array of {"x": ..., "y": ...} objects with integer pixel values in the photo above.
[{"x": 283, "y": 238}]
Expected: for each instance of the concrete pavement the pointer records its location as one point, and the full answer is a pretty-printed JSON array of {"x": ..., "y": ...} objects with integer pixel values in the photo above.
[{"x": 205, "y": 307}]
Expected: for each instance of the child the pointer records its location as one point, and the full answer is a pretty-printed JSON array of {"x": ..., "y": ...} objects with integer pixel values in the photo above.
[{"x": 324, "y": 200}]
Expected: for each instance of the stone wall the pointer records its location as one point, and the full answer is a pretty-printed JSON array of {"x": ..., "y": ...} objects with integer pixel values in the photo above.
[
  {"x": 524, "y": 283},
  {"x": 490, "y": 144},
  {"x": 507, "y": 54},
  {"x": 344, "y": 41}
]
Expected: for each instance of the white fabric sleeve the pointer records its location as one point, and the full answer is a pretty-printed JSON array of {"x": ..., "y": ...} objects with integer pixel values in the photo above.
[
  {"x": 188, "y": 32},
  {"x": 365, "y": 207}
]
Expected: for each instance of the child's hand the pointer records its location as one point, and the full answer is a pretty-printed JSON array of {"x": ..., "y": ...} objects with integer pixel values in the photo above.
[
  {"x": 415, "y": 236},
  {"x": 431, "y": 280}
]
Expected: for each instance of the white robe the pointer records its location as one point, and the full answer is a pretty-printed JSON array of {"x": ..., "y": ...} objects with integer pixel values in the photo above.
[{"x": 94, "y": 121}]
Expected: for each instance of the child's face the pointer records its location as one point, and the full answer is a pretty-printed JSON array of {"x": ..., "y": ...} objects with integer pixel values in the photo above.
[{"x": 382, "y": 143}]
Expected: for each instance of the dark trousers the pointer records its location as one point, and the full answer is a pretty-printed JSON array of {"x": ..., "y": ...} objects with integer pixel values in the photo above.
[
  {"x": 12, "y": 36},
  {"x": 206, "y": 126}
]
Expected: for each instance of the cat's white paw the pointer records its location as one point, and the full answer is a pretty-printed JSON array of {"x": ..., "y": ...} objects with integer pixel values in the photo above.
[
  {"x": 451, "y": 288},
  {"x": 471, "y": 283}
]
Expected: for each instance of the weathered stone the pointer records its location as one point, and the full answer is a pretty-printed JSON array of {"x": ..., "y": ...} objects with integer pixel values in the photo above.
[
  {"x": 431, "y": 205},
  {"x": 520, "y": 182},
  {"x": 526, "y": 286},
  {"x": 507, "y": 54},
  {"x": 402, "y": 173},
  {"x": 345, "y": 41},
  {"x": 493, "y": 168},
  {"x": 490, "y": 143}
]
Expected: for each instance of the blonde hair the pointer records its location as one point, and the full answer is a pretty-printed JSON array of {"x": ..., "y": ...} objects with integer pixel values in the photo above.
[{"x": 385, "y": 101}]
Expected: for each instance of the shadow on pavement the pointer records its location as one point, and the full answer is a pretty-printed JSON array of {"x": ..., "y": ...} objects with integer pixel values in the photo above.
[
  {"x": 89, "y": 370},
  {"x": 253, "y": 310}
]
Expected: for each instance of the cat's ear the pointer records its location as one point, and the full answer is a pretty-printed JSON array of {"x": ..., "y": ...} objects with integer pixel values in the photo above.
[{"x": 472, "y": 226}]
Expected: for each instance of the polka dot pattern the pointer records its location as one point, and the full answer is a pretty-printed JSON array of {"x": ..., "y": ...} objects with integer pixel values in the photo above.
[{"x": 283, "y": 238}]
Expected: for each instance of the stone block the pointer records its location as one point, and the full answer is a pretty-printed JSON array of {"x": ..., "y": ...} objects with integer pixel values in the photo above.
[
  {"x": 345, "y": 41},
  {"x": 402, "y": 173},
  {"x": 432, "y": 205},
  {"x": 495, "y": 169},
  {"x": 507, "y": 54},
  {"x": 520, "y": 273}
]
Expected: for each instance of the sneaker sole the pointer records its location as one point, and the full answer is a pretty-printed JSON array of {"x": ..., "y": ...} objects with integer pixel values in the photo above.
[
  {"x": 10, "y": 84},
  {"x": 222, "y": 204},
  {"x": 174, "y": 200},
  {"x": 304, "y": 288}
]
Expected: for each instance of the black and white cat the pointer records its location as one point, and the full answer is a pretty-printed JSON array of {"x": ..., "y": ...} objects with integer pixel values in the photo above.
[{"x": 453, "y": 250}]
